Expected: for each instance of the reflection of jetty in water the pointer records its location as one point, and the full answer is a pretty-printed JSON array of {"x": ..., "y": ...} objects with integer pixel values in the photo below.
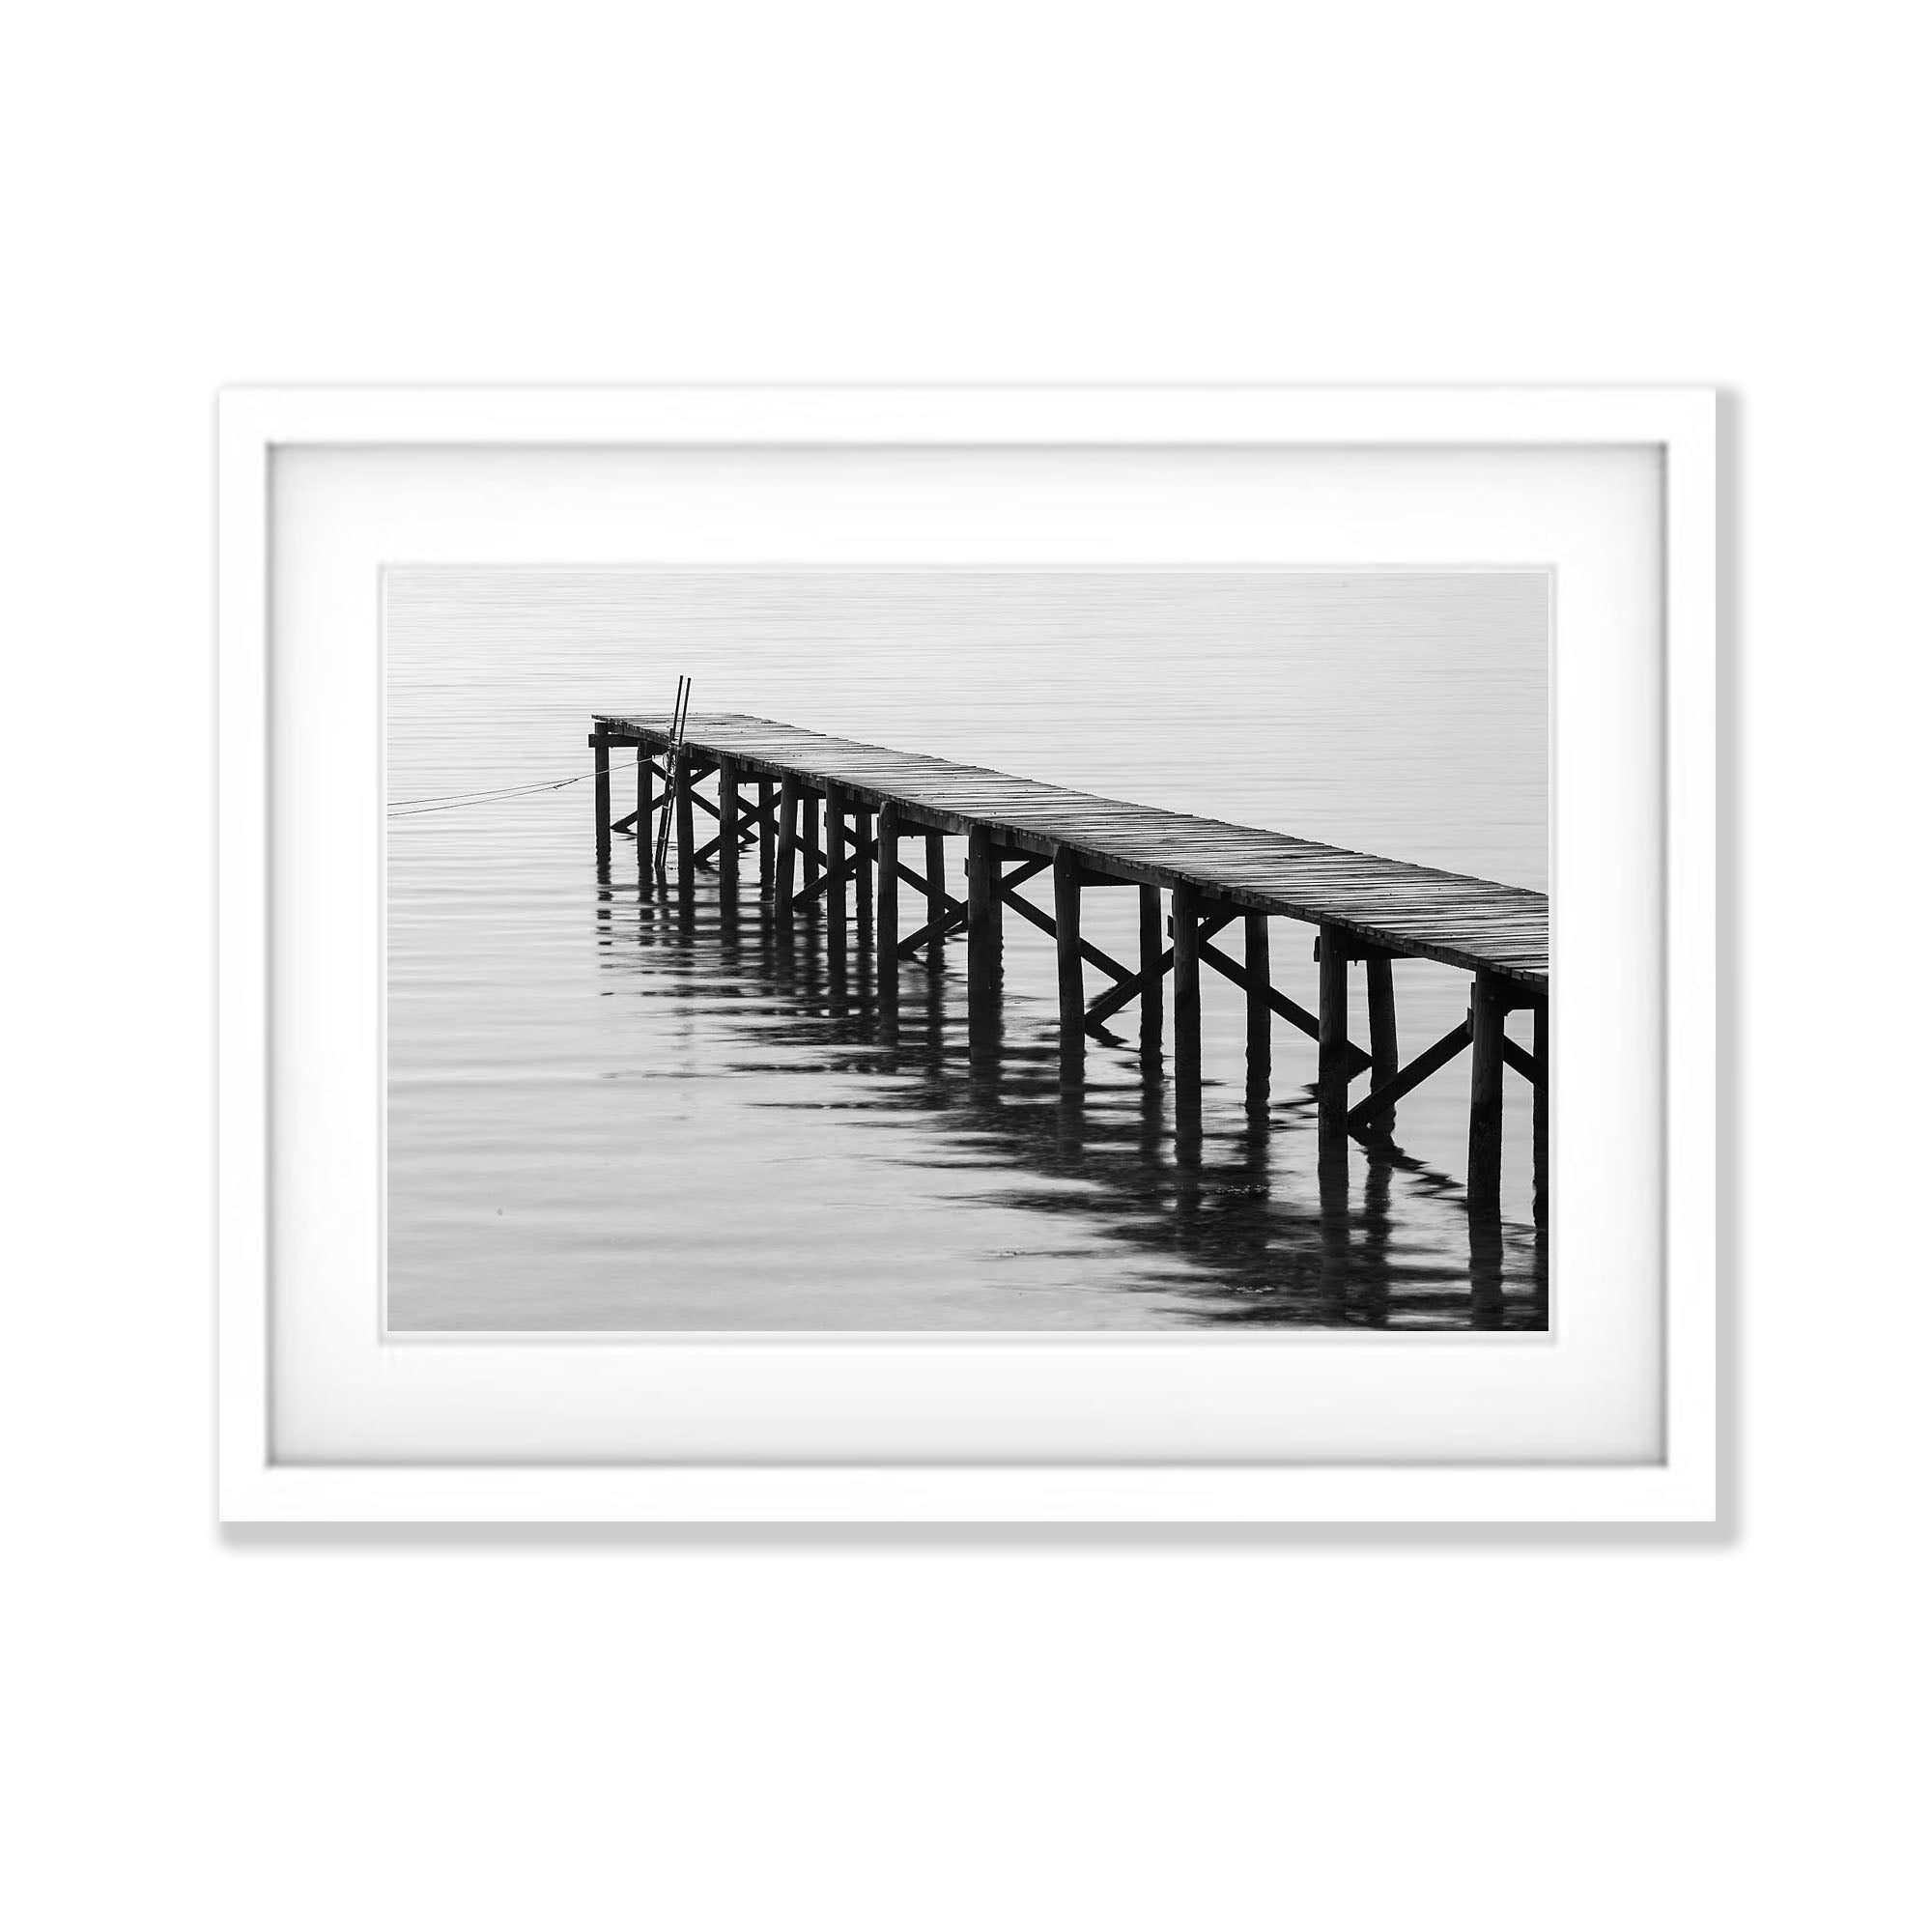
[{"x": 1196, "y": 1191}]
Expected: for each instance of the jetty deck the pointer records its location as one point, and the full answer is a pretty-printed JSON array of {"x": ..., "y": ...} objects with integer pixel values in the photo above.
[
  {"x": 842, "y": 811},
  {"x": 1413, "y": 911}
]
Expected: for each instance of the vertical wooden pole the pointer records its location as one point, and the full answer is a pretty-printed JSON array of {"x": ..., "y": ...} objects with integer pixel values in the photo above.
[
  {"x": 645, "y": 805},
  {"x": 1487, "y": 1008},
  {"x": 600, "y": 763},
  {"x": 1384, "y": 1053},
  {"x": 1154, "y": 978},
  {"x": 787, "y": 852},
  {"x": 768, "y": 837},
  {"x": 983, "y": 915},
  {"x": 861, "y": 826},
  {"x": 836, "y": 899},
  {"x": 1539, "y": 1114},
  {"x": 1067, "y": 924},
  {"x": 889, "y": 904},
  {"x": 728, "y": 824},
  {"x": 687, "y": 844},
  {"x": 935, "y": 898},
  {"x": 1260, "y": 1016},
  {"x": 1332, "y": 1056},
  {"x": 1186, "y": 990},
  {"x": 810, "y": 836}
]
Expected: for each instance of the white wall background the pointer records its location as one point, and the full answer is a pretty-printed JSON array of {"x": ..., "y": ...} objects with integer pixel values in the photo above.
[{"x": 957, "y": 1730}]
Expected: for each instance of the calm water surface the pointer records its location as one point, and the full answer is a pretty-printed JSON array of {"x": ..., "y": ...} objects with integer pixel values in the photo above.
[{"x": 612, "y": 1108}]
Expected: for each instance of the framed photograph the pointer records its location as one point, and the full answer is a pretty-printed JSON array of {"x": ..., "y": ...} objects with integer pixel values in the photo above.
[{"x": 968, "y": 954}]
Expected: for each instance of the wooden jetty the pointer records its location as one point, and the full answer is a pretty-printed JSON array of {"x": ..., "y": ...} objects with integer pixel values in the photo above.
[{"x": 829, "y": 818}]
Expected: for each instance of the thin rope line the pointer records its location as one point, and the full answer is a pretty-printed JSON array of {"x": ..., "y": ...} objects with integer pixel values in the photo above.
[{"x": 450, "y": 800}]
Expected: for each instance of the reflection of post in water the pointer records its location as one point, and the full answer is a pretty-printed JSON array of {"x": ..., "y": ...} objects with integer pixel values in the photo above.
[
  {"x": 1331, "y": 1166},
  {"x": 605, "y": 896},
  {"x": 1254, "y": 1197},
  {"x": 1187, "y": 1158},
  {"x": 1372, "y": 1267},
  {"x": 1485, "y": 1269}
]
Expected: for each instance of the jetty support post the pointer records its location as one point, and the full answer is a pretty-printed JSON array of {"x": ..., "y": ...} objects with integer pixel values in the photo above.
[
  {"x": 1066, "y": 940},
  {"x": 861, "y": 826},
  {"x": 1154, "y": 972},
  {"x": 768, "y": 835},
  {"x": 727, "y": 826},
  {"x": 834, "y": 871},
  {"x": 984, "y": 935},
  {"x": 1539, "y": 1109},
  {"x": 600, "y": 764},
  {"x": 935, "y": 899},
  {"x": 808, "y": 836},
  {"x": 1332, "y": 1056},
  {"x": 1489, "y": 1003},
  {"x": 788, "y": 850},
  {"x": 888, "y": 905},
  {"x": 1186, "y": 993},
  {"x": 1384, "y": 1051},
  {"x": 687, "y": 842},
  {"x": 1260, "y": 1015}
]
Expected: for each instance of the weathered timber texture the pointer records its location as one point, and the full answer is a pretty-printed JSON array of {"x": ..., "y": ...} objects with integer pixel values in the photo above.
[{"x": 1413, "y": 911}]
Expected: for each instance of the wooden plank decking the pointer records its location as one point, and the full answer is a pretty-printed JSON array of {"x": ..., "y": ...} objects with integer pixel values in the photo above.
[{"x": 1412, "y": 910}]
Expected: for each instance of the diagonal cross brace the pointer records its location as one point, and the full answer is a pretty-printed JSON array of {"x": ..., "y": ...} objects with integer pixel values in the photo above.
[
  {"x": 1115, "y": 997},
  {"x": 1049, "y": 925},
  {"x": 1297, "y": 1016},
  {"x": 1432, "y": 1059}
]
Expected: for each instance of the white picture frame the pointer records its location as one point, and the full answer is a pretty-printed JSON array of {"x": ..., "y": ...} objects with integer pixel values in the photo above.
[{"x": 267, "y": 1347}]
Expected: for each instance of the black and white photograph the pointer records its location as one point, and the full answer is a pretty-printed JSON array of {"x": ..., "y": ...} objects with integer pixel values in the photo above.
[{"x": 967, "y": 949}]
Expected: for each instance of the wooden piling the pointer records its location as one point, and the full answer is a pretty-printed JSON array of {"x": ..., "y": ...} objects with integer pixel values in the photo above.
[
  {"x": 1066, "y": 938},
  {"x": 889, "y": 904},
  {"x": 787, "y": 849},
  {"x": 1332, "y": 1056},
  {"x": 1487, "y": 1004},
  {"x": 984, "y": 933},
  {"x": 935, "y": 899},
  {"x": 728, "y": 824},
  {"x": 808, "y": 836},
  {"x": 1154, "y": 972},
  {"x": 1260, "y": 1015},
  {"x": 1384, "y": 1051},
  {"x": 1540, "y": 1111},
  {"x": 835, "y": 902},
  {"x": 862, "y": 830},
  {"x": 687, "y": 843},
  {"x": 600, "y": 764},
  {"x": 1186, "y": 987},
  {"x": 768, "y": 837}
]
